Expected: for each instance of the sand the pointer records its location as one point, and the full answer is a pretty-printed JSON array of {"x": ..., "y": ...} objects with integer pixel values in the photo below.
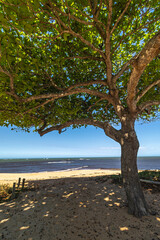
[
  {"x": 7, "y": 178},
  {"x": 75, "y": 206}
]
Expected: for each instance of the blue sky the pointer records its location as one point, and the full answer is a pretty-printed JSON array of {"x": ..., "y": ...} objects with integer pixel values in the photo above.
[{"x": 81, "y": 142}]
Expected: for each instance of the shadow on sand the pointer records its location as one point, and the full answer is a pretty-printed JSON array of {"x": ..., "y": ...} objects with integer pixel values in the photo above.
[{"x": 76, "y": 209}]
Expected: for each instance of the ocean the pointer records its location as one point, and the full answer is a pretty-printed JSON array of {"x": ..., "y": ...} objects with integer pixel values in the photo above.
[{"x": 60, "y": 164}]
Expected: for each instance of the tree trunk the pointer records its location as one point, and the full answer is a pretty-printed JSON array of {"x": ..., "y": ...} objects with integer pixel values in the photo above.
[{"x": 129, "y": 149}]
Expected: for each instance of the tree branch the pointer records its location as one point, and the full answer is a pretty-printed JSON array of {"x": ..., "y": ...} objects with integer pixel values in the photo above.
[
  {"x": 147, "y": 89},
  {"x": 77, "y": 35},
  {"x": 112, "y": 132},
  {"x": 38, "y": 106},
  {"x": 52, "y": 82},
  {"x": 98, "y": 9},
  {"x": 124, "y": 67},
  {"x": 148, "y": 105},
  {"x": 108, "y": 129},
  {"x": 109, "y": 16},
  {"x": 108, "y": 47},
  {"x": 101, "y": 99},
  {"x": 132, "y": 32},
  {"x": 74, "y": 89},
  {"x": 87, "y": 84},
  {"x": 80, "y": 12},
  {"x": 70, "y": 16},
  {"x": 148, "y": 53},
  {"x": 86, "y": 57},
  {"x": 15, "y": 96},
  {"x": 60, "y": 127},
  {"x": 120, "y": 17},
  {"x": 95, "y": 12},
  {"x": 10, "y": 76},
  {"x": 68, "y": 93},
  {"x": 86, "y": 42}
]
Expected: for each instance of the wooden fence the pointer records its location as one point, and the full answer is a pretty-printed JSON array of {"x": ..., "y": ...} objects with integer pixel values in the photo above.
[{"x": 18, "y": 187}]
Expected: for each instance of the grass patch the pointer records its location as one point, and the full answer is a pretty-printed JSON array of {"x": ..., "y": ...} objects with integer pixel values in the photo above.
[
  {"x": 5, "y": 192},
  {"x": 147, "y": 175},
  {"x": 150, "y": 175}
]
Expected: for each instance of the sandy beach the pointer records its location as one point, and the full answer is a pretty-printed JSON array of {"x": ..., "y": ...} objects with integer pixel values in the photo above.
[
  {"x": 12, "y": 177},
  {"x": 75, "y": 205}
]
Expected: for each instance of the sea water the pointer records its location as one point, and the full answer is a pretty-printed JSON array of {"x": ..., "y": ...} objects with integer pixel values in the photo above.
[{"x": 60, "y": 164}]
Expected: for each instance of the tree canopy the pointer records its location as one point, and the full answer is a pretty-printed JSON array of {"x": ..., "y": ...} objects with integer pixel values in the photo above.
[
  {"x": 78, "y": 62},
  {"x": 72, "y": 63}
]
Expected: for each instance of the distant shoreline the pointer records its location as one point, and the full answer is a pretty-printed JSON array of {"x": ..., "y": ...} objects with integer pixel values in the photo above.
[
  {"x": 22, "y": 166},
  {"x": 52, "y": 158},
  {"x": 61, "y": 158}
]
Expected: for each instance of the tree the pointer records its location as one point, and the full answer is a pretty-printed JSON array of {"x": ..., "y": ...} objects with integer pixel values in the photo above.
[{"x": 77, "y": 63}]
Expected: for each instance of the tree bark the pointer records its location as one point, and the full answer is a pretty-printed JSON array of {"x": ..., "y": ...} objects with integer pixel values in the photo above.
[{"x": 137, "y": 205}]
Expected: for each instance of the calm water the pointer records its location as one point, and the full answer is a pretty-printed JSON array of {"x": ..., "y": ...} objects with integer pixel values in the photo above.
[{"x": 59, "y": 164}]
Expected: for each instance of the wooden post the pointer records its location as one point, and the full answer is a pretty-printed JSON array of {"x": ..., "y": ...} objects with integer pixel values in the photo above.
[
  {"x": 19, "y": 182},
  {"x": 13, "y": 191},
  {"x": 150, "y": 182},
  {"x": 119, "y": 178},
  {"x": 23, "y": 182}
]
